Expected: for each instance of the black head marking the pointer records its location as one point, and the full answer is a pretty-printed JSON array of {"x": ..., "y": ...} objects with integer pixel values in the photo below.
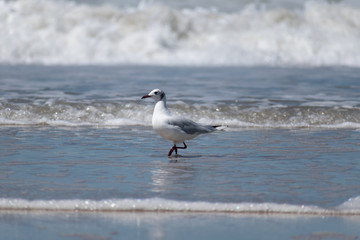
[{"x": 162, "y": 95}]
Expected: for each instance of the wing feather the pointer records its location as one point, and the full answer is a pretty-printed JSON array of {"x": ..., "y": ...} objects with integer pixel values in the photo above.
[{"x": 190, "y": 127}]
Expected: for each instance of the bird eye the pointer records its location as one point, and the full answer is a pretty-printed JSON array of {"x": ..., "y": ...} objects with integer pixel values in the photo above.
[{"x": 156, "y": 93}]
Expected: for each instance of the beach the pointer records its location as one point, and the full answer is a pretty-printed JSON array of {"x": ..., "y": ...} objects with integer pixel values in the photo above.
[
  {"x": 94, "y": 159},
  {"x": 80, "y": 159},
  {"x": 175, "y": 226}
]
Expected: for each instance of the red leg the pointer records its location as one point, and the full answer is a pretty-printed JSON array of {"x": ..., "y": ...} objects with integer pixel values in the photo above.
[
  {"x": 172, "y": 149},
  {"x": 176, "y": 148}
]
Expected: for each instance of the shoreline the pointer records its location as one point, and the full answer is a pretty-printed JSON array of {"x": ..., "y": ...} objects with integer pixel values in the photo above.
[
  {"x": 144, "y": 226},
  {"x": 160, "y": 205}
]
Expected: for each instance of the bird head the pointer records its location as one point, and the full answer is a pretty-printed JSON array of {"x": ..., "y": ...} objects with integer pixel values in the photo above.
[{"x": 155, "y": 94}]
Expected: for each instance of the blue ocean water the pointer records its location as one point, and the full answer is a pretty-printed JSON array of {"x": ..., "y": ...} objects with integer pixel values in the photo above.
[
  {"x": 299, "y": 167},
  {"x": 77, "y": 149},
  {"x": 81, "y": 133}
]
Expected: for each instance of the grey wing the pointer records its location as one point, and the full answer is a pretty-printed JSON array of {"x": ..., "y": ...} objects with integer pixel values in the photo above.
[{"x": 190, "y": 127}]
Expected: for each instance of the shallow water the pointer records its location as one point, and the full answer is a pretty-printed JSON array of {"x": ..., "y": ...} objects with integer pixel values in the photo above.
[
  {"x": 82, "y": 132},
  {"x": 175, "y": 226},
  {"x": 77, "y": 142},
  {"x": 301, "y": 167}
]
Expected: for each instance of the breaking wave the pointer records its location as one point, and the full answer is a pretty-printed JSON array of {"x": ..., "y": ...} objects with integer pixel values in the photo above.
[
  {"x": 68, "y": 113},
  {"x": 63, "y": 32}
]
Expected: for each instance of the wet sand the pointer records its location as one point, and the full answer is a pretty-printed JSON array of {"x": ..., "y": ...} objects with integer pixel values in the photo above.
[{"x": 137, "y": 225}]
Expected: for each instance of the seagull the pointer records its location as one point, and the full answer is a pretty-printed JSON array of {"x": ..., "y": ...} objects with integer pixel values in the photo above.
[{"x": 171, "y": 127}]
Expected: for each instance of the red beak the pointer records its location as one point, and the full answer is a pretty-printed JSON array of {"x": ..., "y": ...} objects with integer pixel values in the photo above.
[{"x": 145, "y": 96}]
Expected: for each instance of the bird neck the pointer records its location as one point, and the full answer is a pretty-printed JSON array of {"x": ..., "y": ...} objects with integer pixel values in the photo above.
[{"x": 161, "y": 108}]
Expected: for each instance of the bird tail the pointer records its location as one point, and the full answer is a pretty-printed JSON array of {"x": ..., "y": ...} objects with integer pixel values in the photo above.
[{"x": 218, "y": 127}]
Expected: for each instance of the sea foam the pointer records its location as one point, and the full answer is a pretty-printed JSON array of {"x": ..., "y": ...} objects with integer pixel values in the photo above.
[
  {"x": 98, "y": 113},
  {"x": 62, "y": 32},
  {"x": 350, "y": 207}
]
